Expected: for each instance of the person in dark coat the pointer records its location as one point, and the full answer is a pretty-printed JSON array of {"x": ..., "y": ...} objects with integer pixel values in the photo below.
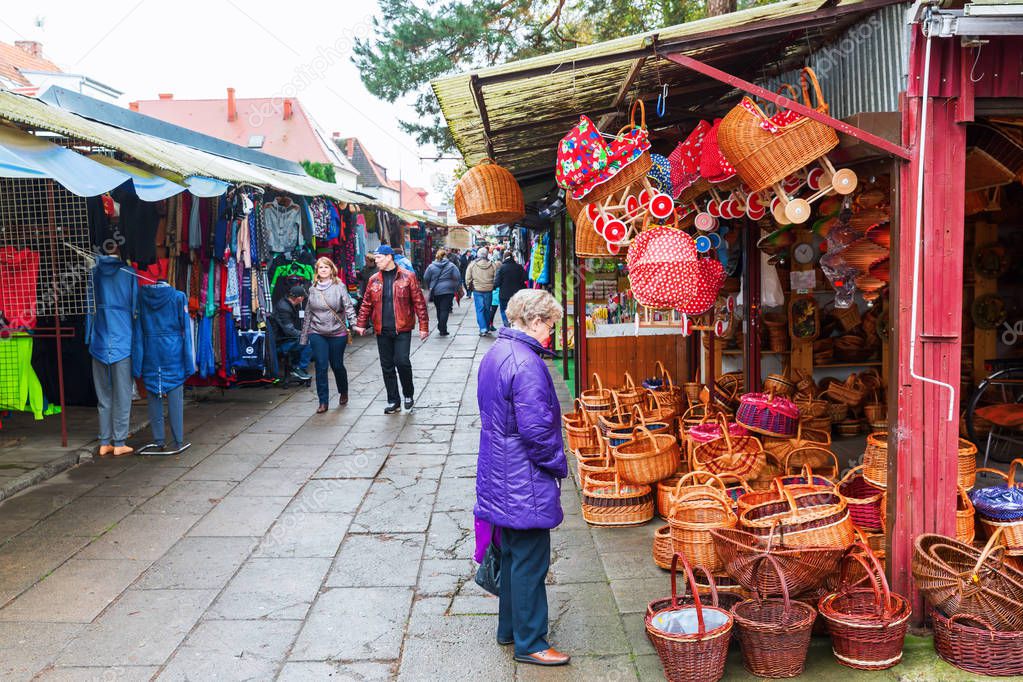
[
  {"x": 288, "y": 325},
  {"x": 365, "y": 274},
  {"x": 510, "y": 280},
  {"x": 463, "y": 263},
  {"x": 519, "y": 470},
  {"x": 444, "y": 282}
]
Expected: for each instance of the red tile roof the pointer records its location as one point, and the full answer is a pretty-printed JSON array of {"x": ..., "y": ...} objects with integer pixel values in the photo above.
[
  {"x": 14, "y": 59},
  {"x": 413, "y": 198},
  {"x": 295, "y": 139}
]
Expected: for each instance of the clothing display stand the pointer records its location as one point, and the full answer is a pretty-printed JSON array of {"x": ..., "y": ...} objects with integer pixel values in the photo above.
[{"x": 43, "y": 218}]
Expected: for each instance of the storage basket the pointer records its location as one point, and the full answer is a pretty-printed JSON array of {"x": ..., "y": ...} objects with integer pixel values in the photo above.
[
  {"x": 763, "y": 152},
  {"x": 592, "y": 461},
  {"x": 774, "y": 633},
  {"x": 820, "y": 460},
  {"x": 664, "y": 491},
  {"x": 581, "y": 433},
  {"x": 488, "y": 195},
  {"x": 663, "y": 550},
  {"x": 606, "y": 501},
  {"x": 729, "y": 387},
  {"x": 866, "y": 501},
  {"x": 768, "y": 414},
  {"x": 691, "y": 519},
  {"x": 647, "y": 458},
  {"x": 867, "y": 625},
  {"x": 806, "y": 481},
  {"x": 966, "y": 528},
  {"x": 658, "y": 411},
  {"x": 851, "y": 393},
  {"x": 967, "y": 463},
  {"x": 982, "y": 649},
  {"x": 779, "y": 385},
  {"x": 629, "y": 395},
  {"x": 710, "y": 589},
  {"x": 848, "y": 428},
  {"x": 667, "y": 393},
  {"x": 692, "y": 654},
  {"x": 875, "y": 459},
  {"x": 959, "y": 578},
  {"x": 742, "y": 456},
  {"x": 818, "y": 518},
  {"x": 810, "y": 409},
  {"x": 1000, "y": 509},
  {"x": 596, "y": 401}
]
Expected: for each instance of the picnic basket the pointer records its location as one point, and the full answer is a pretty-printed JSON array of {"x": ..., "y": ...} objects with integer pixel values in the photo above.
[
  {"x": 820, "y": 460},
  {"x": 816, "y": 518},
  {"x": 693, "y": 515},
  {"x": 691, "y": 641},
  {"x": 647, "y": 458},
  {"x": 768, "y": 414},
  {"x": 1001, "y": 508},
  {"x": 579, "y": 431},
  {"x": 607, "y": 501},
  {"x": 596, "y": 401},
  {"x": 630, "y": 395},
  {"x": 666, "y": 392},
  {"x": 742, "y": 456}
]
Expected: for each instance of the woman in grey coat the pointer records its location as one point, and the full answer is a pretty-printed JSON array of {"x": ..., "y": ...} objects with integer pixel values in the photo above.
[
  {"x": 444, "y": 281},
  {"x": 327, "y": 310}
]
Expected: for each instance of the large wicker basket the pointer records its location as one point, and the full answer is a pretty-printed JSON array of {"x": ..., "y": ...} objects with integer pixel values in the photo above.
[
  {"x": 763, "y": 158},
  {"x": 488, "y": 195},
  {"x": 607, "y": 501},
  {"x": 647, "y": 458}
]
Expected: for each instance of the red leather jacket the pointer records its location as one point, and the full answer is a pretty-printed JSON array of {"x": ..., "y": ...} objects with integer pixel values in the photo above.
[{"x": 409, "y": 303}]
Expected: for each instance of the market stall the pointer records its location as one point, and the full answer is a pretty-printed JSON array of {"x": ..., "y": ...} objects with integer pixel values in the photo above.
[{"x": 787, "y": 242}]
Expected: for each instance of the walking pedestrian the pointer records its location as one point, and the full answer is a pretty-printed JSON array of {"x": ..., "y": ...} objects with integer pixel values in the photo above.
[
  {"x": 393, "y": 301},
  {"x": 443, "y": 282},
  {"x": 510, "y": 280},
  {"x": 479, "y": 278},
  {"x": 463, "y": 263},
  {"x": 288, "y": 324},
  {"x": 328, "y": 309},
  {"x": 521, "y": 461}
]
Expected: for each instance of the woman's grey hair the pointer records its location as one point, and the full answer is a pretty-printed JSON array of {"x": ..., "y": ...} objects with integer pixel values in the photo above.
[{"x": 530, "y": 305}]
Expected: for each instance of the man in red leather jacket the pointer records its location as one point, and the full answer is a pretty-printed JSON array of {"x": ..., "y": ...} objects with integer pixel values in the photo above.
[{"x": 394, "y": 300}]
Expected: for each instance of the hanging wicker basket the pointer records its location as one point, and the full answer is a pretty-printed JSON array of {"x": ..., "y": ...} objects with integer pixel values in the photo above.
[{"x": 488, "y": 195}]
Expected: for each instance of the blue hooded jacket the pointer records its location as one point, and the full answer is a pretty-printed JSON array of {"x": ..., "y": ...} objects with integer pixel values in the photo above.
[
  {"x": 110, "y": 330},
  {"x": 521, "y": 453},
  {"x": 163, "y": 339}
]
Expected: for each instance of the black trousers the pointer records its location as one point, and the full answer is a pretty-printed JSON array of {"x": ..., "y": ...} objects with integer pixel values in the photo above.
[
  {"x": 395, "y": 363},
  {"x": 522, "y": 611},
  {"x": 443, "y": 302}
]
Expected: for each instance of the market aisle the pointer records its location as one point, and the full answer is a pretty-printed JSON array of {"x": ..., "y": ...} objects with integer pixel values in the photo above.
[{"x": 289, "y": 544}]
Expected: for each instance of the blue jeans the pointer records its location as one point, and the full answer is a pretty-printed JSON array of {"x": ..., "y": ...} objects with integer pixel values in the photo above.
[
  {"x": 175, "y": 399},
  {"x": 504, "y": 312},
  {"x": 292, "y": 348},
  {"x": 329, "y": 350},
  {"x": 482, "y": 301}
]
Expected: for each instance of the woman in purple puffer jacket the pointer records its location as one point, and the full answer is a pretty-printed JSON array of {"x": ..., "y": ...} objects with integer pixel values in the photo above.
[{"x": 521, "y": 464}]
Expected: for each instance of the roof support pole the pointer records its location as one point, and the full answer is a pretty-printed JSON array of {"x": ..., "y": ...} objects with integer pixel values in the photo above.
[
  {"x": 623, "y": 91},
  {"x": 481, "y": 104},
  {"x": 785, "y": 102}
]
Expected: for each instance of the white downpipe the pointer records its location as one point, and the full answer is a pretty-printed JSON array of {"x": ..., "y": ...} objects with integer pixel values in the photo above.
[{"x": 918, "y": 238}]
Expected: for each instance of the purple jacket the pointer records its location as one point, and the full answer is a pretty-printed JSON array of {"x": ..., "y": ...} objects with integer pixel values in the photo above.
[{"x": 521, "y": 452}]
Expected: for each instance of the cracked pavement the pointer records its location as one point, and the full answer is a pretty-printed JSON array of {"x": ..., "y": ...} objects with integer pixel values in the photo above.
[{"x": 293, "y": 546}]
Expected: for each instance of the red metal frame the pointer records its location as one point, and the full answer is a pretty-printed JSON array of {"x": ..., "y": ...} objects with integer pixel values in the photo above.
[{"x": 785, "y": 102}]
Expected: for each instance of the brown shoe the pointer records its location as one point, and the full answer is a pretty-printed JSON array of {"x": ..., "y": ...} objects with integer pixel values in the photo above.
[
  {"x": 343, "y": 400},
  {"x": 321, "y": 409},
  {"x": 123, "y": 451},
  {"x": 547, "y": 657},
  {"x": 106, "y": 450}
]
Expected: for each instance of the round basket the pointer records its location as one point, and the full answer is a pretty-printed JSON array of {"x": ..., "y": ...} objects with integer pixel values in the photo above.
[
  {"x": 817, "y": 518},
  {"x": 774, "y": 633},
  {"x": 866, "y": 501},
  {"x": 665, "y": 490},
  {"x": 488, "y": 195},
  {"x": 692, "y": 390},
  {"x": 666, "y": 392},
  {"x": 875, "y": 459},
  {"x": 768, "y": 414},
  {"x": 742, "y": 456},
  {"x": 995, "y": 518},
  {"x": 580, "y": 433},
  {"x": 663, "y": 550},
  {"x": 779, "y": 385},
  {"x": 982, "y": 649},
  {"x": 867, "y": 625},
  {"x": 819, "y": 460},
  {"x": 691, "y": 519},
  {"x": 967, "y": 463},
  {"x": 693, "y": 654},
  {"x": 596, "y": 401},
  {"x": 606, "y": 501},
  {"x": 630, "y": 395},
  {"x": 804, "y": 482},
  {"x": 966, "y": 528},
  {"x": 648, "y": 458}
]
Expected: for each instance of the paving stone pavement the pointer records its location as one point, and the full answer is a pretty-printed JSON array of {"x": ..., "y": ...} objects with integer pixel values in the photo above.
[{"x": 294, "y": 546}]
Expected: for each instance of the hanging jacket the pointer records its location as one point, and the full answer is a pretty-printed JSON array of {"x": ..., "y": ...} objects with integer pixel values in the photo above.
[
  {"x": 109, "y": 332},
  {"x": 19, "y": 270},
  {"x": 521, "y": 454},
  {"x": 162, "y": 353},
  {"x": 20, "y": 389}
]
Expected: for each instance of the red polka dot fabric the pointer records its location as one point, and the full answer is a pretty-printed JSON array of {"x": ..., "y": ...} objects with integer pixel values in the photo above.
[{"x": 666, "y": 272}]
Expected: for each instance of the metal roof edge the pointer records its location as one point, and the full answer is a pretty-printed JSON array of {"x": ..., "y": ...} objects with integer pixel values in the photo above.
[{"x": 119, "y": 117}]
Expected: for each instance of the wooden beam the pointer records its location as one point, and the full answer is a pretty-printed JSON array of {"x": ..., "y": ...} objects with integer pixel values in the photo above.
[
  {"x": 623, "y": 92},
  {"x": 785, "y": 102},
  {"x": 481, "y": 104}
]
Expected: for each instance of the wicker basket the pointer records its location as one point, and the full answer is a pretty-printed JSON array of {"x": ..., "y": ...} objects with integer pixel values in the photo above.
[
  {"x": 581, "y": 434},
  {"x": 691, "y": 657},
  {"x": 692, "y": 517},
  {"x": 849, "y": 318},
  {"x": 779, "y": 385},
  {"x": 592, "y": 461},
  {"x": 867, "y": 625},
  {"x": 596, "y": 401},
  {"x": 742, "y": 456},
  {"x": 775, "y": 633},
  {"x": 488, "y": 195},
  {"x": 966, "y": 528},
  {"x": 967, "y": 463},
  {"x": 606, "y": 501},
  {"x": 647, "y": 458},
  {"x": 866, "y": 501},
  {"x": 729, "y": 387},
  {"x": 851, "y": 393},
  {"x": 779, "y": 448},
  {"x": 665, "y": 490},
  {"x": 1010, "y": 526},
  {"x": 875, "y": 459},
  {"x": 982, "y": 650},
  {"x": 588, "y": 244},
  {"x": 668, "y": 394},
  {"x": 819, "y": 460},
  {"x": 806, "y": 519},
  {"x": 768, "y": 414},
  {"x": 663, "y": 550},
  {"x": 762, "y": 158},
  {"x": 629, "y": 395}
]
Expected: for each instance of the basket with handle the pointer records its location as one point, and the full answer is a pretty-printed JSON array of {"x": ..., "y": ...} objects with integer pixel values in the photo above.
[
  {"x": 805, "y": 481},
  {"x": 820, "y": 460},
  {"x": 817, "y": 518},
  {"x": 647, "y": 458},
  {"x": 579, "y": 432},
  {"x": 596, "y": 401},
  {"x": 690, "y": 651},
  {"x": 742, "y": 456},
  {"x": 806, "y": 435},
  {"x": 621, "y": 435},
  {"x": 774, "y": 633},
  {"x": 629, "y": 395},
  {"x": 729, "y": 387},
  {"x": 768, "y": 414},
  {"x": 867, "y": 624},
  {"x": 692, "y": 390},
  {"x": 875, "y": 459},
  {"x": 764, "y": 150},
  {"x": 780, "y": 384},
  {"x": 972, "y": 643},
  {"x": 588, "y": 242},
  {"x": 691, "y": 519},
  {"x": 607, "y": 501},
  {"x": 618, "y": 418},
  {"x": 866, "y": 501},
  {"x": 697, "y": 481},
  {"x": 488, "y": 195},
  {"x": 660, "y": 411},
  {"x": 665, "y": 490},
  {"x": 959, "y": 578},
  {"x": 663, "y": 549},
  {"x": 710, "y": 590},
  {"x": 966, "y": 527},
  {"x": 967, "y": 468},
  {"x": 851, "y": 392},
  {"x": 590, "y": 460},
  {"x": 667, "y": 393},
  {"x": 1000, "y": 508}
]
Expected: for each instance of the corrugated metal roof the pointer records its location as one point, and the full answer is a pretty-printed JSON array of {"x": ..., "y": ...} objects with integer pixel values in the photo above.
[
  {"x": 176, "y": 159},
  {"x": 531, "y": 103}
]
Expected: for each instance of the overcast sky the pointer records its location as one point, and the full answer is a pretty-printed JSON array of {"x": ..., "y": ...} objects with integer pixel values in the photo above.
[{"x": 197, "y": 48}]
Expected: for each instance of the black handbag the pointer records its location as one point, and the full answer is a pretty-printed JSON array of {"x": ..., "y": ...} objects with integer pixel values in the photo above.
[{"x": 488, "y": 575}]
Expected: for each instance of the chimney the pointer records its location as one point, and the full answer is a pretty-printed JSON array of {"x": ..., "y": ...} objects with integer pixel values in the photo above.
[
  {"x": 350, "y": 147},
  {"x": 166, "y": 95},
  {"x": 287, "y": 109},
  {"x": 232, "y": 107},
  {"x": 335, "y": 135},
  {"x": 134, "y": 106},
  {"x": 33, "y": 47}
]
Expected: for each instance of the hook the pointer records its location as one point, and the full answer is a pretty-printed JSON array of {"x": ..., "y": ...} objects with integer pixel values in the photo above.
[
  {"x": 974, "y": 68},
  {"x": 662, "y": 101}
]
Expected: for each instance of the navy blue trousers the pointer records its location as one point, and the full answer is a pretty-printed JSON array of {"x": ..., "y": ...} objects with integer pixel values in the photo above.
[{"x": 522, "y": 614}]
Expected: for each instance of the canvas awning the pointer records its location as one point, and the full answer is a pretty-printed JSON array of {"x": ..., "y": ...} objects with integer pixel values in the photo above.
[{"x": 26, "y": 156}]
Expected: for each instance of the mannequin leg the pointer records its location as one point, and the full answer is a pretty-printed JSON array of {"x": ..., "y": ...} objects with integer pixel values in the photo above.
[
  {"x": 156, "y": 417},
  {"x": 121, "y": 403},
  {"x": 176, "y": 414},
  {"x": 102, "y": 377}
]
